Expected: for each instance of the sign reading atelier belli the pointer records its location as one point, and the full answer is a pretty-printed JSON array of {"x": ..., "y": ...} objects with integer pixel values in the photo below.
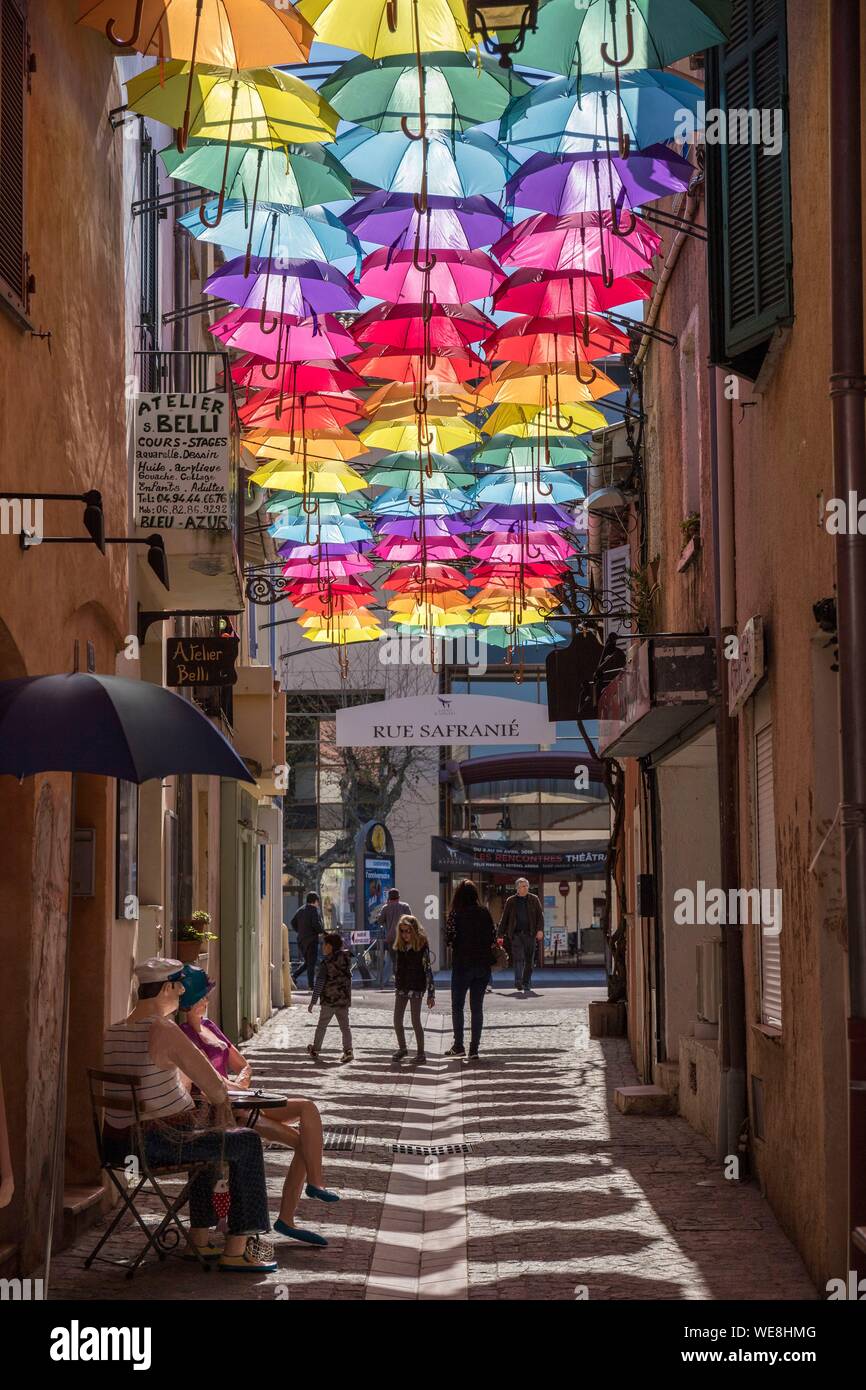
[
  {"x": 200, "y": 661},
  {"x": 182, "y": 461}
]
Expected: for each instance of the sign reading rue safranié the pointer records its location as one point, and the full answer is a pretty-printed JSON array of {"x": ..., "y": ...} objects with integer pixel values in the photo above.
[
  {"x": 200, "y": 661},
  {"x": 436, "y": 720},
  {"x": 182, "y": 461}
]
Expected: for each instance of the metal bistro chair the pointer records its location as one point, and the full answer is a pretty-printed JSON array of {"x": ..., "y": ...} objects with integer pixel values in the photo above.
[{"x": 165, "y": 1238}]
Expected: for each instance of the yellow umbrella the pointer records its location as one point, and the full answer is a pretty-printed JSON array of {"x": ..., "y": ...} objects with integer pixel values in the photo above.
[
  {"x": 510, "y": 617},
  {"x": 448, "y": 600},
  {"x": 538, "y": 385},
  {"x": 386, "y": 401},
  {"x": 440, "y": 436},
  {"x": 228, "y": 33},
  {"x": 260, "y": 107},
  {"x": 318, "y": 450},
  {"x": 384, "y": 28},
  {"x": 432, "y": 616},
  {"x": 532, "y": 422},
  {"x": 318, "y": 479},
  {"x": 346, "y": 622}
]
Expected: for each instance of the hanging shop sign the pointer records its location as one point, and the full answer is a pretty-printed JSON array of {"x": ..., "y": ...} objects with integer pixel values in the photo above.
[
  {"x": 474, "y": 856},
  {"x": 182, "y": 461},
  {"x": 747, "y": 667},
  {"x": 200, "y": 661},
  {"x": 437, "y": 720}
]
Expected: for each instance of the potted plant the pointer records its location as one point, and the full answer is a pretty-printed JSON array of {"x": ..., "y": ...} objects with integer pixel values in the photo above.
[{"x": 193, "y": 936}]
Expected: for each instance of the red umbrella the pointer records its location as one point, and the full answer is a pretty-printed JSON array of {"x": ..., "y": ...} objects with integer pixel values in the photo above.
[
  {"x": 572, "y": 339},
  {"x": 295, "y": 378},
  {"x": 560, "y": 292},
  {"x": 460, "y": 365},
  {"x": 433, "y": 578},
  {"x": 429, "y": 329},
  {"x": 285, "y": 414}
]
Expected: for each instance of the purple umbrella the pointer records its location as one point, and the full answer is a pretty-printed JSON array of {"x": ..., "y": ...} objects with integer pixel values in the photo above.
[
  {"x": 593, "y": 181},
  {"x": 546, "y": 514},
  {"x": 448, "y": 224},
  {"x": 299, "y": 287},
  {"x": 414, "y": 526}
]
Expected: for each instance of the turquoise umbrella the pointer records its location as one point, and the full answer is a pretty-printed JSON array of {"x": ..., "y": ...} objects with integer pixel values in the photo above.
[
  {"x": 403, "y": 471},
  {"x": 283, "y": 233},
  {"x": 565, "y": 116},
  {"x": 528, "y": 489},
  {"x": 456, "y": 168},
  {"x": 504, "y": 451},
  {"x": 635, "y": 33},
  {"x": 437, "y": 502},
  {"x": 526, "y": 635},
  {"x": 291, "y": 504},
  {"x": 385, "y": 93},
  {"x": 297, "y": 176}
]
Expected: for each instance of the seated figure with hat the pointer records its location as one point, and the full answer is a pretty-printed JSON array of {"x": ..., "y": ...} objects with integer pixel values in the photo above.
[
  {"x": 150, "y": 1045},
  {"x": 297, "y": 1123}
]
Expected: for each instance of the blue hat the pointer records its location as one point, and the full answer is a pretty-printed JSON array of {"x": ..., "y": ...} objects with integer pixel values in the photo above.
[{"x": 196, "y": 985}]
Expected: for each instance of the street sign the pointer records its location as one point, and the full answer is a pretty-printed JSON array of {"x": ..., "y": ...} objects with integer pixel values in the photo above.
[
  {"x": 200, "y": 661},
  {"x": 564, "y": 889}
]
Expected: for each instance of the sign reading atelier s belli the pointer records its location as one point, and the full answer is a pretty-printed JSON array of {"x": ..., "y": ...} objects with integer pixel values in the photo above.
[
  {"x": 200, "y": 661},
  {"x": 433, "y": 720},
  {"x": 182, "y": 461}
]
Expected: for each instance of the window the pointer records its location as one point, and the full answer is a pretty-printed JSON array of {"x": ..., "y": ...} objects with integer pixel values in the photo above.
[
  {"x": 765, "y": 856},
  {"x": 14, "y": 64},
  {"x": 748, "y": 187}
]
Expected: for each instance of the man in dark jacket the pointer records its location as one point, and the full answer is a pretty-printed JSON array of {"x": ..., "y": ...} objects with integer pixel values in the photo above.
[
  {"x": 523, "y": 925},
  {"x": 308, "y": 923}
]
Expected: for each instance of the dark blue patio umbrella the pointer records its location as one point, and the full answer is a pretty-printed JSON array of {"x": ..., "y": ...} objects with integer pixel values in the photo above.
[
  {"x": 108, "y": 725},
  {"x": 113, "y": 727}
]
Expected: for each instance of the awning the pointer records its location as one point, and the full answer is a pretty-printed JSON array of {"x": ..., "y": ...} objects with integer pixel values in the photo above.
[{"x": 668, "y": 682}]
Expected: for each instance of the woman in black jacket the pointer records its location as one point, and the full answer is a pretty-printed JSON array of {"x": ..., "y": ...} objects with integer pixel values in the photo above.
[
  {"x": 471, "y": 933},
  {"x": 413, "y": 978}
]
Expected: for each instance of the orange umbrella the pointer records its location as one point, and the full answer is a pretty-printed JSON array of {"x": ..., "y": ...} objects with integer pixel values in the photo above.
[{"x": 227, "y": 33}]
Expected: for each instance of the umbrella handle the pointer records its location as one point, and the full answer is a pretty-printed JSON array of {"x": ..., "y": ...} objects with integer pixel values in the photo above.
[
  {"x": 411, "y": 134},
  {"x": 391, "y": 15},
  {"x": 202, "y": 215},
  {"x": 136, "y": 29},
  {"x": 262, "y": 327},
  {"x": 590, "y": 379},
  {"x": 616, "y": 61},
  {"x": 219, "y": 212},
  {"x": 616, "y": 225}
]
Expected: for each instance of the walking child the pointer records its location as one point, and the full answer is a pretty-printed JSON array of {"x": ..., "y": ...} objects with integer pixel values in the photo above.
[
  {"x": 333, "y": 988},
  {"x": 413, "y": 978}
]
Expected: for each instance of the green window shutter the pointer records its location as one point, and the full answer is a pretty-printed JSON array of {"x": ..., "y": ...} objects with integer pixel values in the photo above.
[{"x": 748, "y": 191}]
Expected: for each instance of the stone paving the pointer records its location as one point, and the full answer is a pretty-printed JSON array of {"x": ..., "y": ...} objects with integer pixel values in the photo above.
[{"x": 559, "y": 1196}]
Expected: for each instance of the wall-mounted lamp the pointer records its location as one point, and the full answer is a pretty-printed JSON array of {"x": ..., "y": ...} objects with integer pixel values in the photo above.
[{"x": 509, "y": 22}]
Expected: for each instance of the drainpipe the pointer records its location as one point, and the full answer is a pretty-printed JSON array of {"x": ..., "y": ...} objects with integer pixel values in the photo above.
[
  {"x": 848, "y": 397},
  {"x": 732, "y": 1023}
]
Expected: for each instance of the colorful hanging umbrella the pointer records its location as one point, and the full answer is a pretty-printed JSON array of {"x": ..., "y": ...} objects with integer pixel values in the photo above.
[
  {"x": 322, "y": 444},
  {"x": 226, "y": 33},
  {"x": 319, "y": 530},
  {"x": 443, "y": 388},
  {"x": 590, "y": 182},
  {"x": 526, "y": 635},
  {"x": 557, "y": 341},
  {"x": 535, "y": 421},
  {"x": 586, "y": 241},
  {"x": 544, "y": 516},
  {"x": 317, "y": 478},
  {"x": 436, "y": 502},
  {"x": 440, "y": 436},
  {"x": 441, "y": 373},
  {"x": 293, "y": 415},
  {"x": 527, "y": 490},
  {"x": 557, "y": 292},
  {"x": 508, "y": 547},
  {"x": 298, "y": 287},
  {"x": 565, "y": 116},
  {"x": 280, "y": 234},
  {"x": 402, "y": 550},
  {"x": 458, "y": 92},
  {"x": 456, "y": 278},
  {"x": 295, "y": 176},
  {"x": 420, "y": 526},
  {"x": 286, "y": 338},
  {"x": 393, "y": 220},
  {"x": 504, "y": 451},
  {"x": 460, "y": 168},
  {"x": 381, "y": 28},
  {"x": 538, "y": 384},
  {"x": 439, "y": 329},
  {"x": 637, "y": 33},
  {"x": 433, "y": 578},
  {"x": 258, "y": 107},
  {"x": 291, "y": 504},
  {"x": 403, "y": 471},
  {"x": 294, "y": 378}
]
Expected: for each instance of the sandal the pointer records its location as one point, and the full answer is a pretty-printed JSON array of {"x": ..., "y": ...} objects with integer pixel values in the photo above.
[
  {"x": 257, "y": 1258},
  {"x": 202, "y": 1252}
]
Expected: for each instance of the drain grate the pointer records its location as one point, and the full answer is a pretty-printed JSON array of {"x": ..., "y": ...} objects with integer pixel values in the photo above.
[
  {"x": 424, "y": 1149},
  {"x": 341, "y": 1138}
]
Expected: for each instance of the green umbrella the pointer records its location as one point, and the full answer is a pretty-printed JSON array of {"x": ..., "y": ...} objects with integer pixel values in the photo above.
[
  {"x": 294, "y": 176},
  {"x": 403, "y": 471},
  {"x": 291, "y": 503},
  {"x": 384, "y": 93},
  {"x": 645, "y": 34},
  {"x": 504, "y": 451}
]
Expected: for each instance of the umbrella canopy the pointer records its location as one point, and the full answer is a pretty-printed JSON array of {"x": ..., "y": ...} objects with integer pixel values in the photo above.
[
  {"x": 538, "y": 384},
  {"x": 403, "y": 550},
  {"x": 587, "y": 182},
  {"x": 319, "y": 530},
  {"x": 456, "y": 278},
  {"x": 526, "y": 490},
  {"x": 259, "y": 107},
  {"x": 299, "y": 176},
  {"x": 524, "y": 635},
  {"x": 458, "y": 92},
  {"x": 393, "y": 220},
  {"x": 390, "y": 364},
  {"x": 567, "y": 115},
  {"x": 556, "y": 292},
  {"x": 436, "y": 502},
  {"x": 504, "y": 451},
  {"x": 583, "y": 241},
  {"x": 402, "y": 437},
  {"x": 572, "y": 339},
  {"x": 396, "y": 399},
  {"x": 434, "y": 578},
  {"x": 404, "y": 471},
  {"x": 295, "y": 377},
  {"x": 641, "y": 34},
  {"x": 320, "y": 444},
  {"x": 367, "y": 28},
  {"x": 459, "y": 168},
  {"x": 293, "y": 286},
  {"x": 323, "y": 411},
  {"x": 226, "y": 33},
  {"x": 110, "y": 726},
  {"x": 276, "y": 233},
  {"x": 286, "y": 338},
  {"x": 291, "y": 504},
  {"x": 533, "y": 421},
  {"x": 315, "y": 478},
  {"x": 404, "y": 327}
]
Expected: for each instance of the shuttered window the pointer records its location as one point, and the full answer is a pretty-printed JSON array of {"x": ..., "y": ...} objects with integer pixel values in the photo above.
[
  {"x": 748, "y": 186},
  {"x": 617, "y": 594},
  {"x": 13, "y": 111},
  {"x": 765, "y": 837}
]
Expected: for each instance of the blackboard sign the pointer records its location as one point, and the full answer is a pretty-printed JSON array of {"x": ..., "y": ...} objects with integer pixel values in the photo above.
[{"x": 201, "y": 660}]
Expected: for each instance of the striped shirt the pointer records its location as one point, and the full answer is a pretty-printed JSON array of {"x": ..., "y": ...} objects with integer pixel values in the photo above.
[{"x": 126, "y": 1049}]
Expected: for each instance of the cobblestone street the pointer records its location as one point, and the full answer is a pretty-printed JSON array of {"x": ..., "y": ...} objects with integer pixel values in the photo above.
[{"x": 558, "y": 1192}]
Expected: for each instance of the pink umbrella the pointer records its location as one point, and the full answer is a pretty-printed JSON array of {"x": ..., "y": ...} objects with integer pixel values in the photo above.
[
  {"x": 436, "y": 328},
  {"x": 404, "y": 552},
  {"x": 560, "y": 292},
  {"x": 502, "y": 546},
  {"x": 285, "y": 337},
  {"x": 324, "y": 567},
  {"x": 582, "y": 241},
  {"x": 295, "y": 378},
  {"x": 457, "y": 277}
]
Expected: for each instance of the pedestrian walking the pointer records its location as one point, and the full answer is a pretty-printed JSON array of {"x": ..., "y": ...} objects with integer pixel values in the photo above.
[
  {"x": 388, "y": 916},
  {"x": 471, "y": 933},
  {"x": 413, "y": 978},
  {"x": 333, "y": 987},
  {"x": 522, "y": 926},
  {"x": 309, "y": 926}
]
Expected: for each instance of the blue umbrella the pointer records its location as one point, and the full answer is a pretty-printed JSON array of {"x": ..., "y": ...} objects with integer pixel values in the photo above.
[
  {"x": 313, "y": 234},
  {"x": 527, "y": 488},
  {"x": 313, "y": 530},
  {"x": 395, "y": 502},
  {"x": 565, "y": 116},
  {"x": 459, "y": 168},
  {"x": 291, "y": 504}
]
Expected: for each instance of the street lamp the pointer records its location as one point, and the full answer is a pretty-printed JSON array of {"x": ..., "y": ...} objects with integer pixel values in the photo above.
[{"x": 487, "y": 17}]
